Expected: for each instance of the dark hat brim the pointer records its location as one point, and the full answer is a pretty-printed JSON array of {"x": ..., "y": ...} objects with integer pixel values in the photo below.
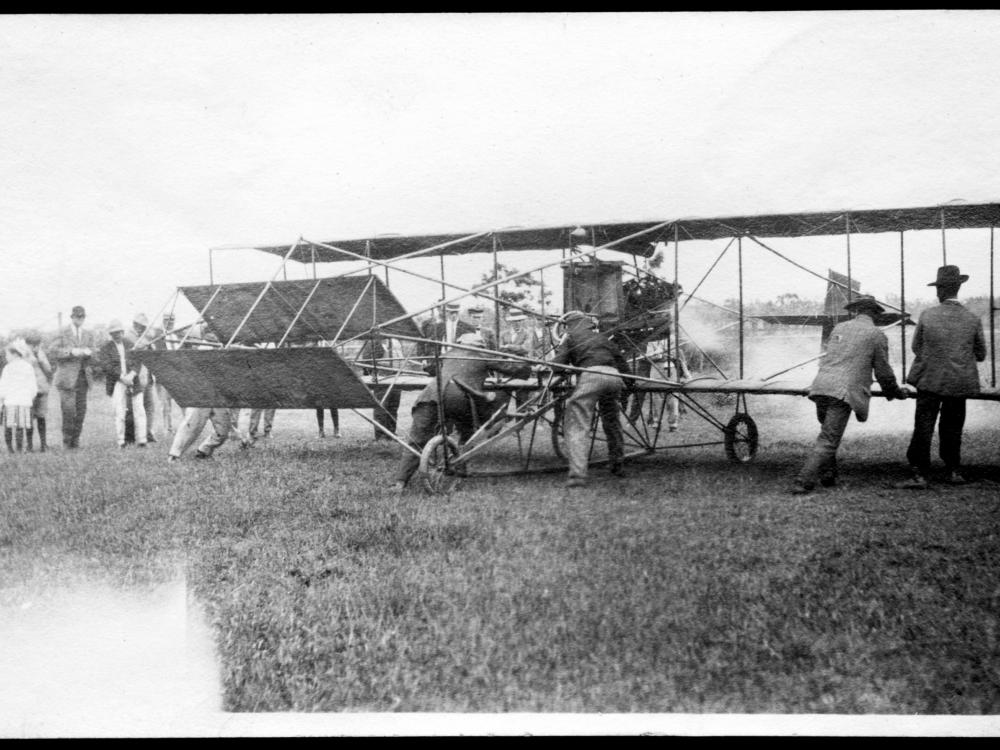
[
  {"x": 865, "y": 304},
  {"x": 962, "y": 278}
]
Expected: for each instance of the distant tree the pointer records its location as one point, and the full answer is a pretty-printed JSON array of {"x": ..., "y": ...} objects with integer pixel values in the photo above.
[{"x": 524, "y": 290}]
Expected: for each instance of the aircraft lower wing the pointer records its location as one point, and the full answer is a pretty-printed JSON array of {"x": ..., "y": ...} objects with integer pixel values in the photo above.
[{"x": 296, "y": 378}]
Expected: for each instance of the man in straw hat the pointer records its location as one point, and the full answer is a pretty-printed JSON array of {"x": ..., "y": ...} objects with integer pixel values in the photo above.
[
  {"x": 519, "y": 338},
  {"x": 144, "y": 337},
  {"x": 948, "y": 343},
  {"x": 855, "y": 349},
  {"x": 471, "y": 368},
  {"x": 599, "y": 387},
  {"x": 124, "y": 382}
]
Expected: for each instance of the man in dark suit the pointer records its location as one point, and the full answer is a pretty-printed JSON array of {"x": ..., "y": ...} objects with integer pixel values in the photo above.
[
  {"x": 948, "y": 343},
  {"x": 478, "y": 316},
  {"x": 447, "y": 330},
  {"x": 855, "y": 349},
  {"x": 472, "y": 369},
  {"x": 74, "y": 351}
]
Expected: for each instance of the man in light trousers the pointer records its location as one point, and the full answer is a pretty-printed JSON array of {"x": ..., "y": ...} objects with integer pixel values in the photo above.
[{"x": 599, "y": 386}]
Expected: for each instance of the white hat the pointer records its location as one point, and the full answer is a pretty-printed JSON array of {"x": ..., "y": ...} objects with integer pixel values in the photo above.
[
  {"x": 115, "y": 325},
  {"x": 141, "y": 319},
  {"x": 516, "y": 315}
]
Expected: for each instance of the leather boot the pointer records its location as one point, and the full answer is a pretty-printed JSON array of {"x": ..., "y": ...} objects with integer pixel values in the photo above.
[{"x": 31, "y": 443}]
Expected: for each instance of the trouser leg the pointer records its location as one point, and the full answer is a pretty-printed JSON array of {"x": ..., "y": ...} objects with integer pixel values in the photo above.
[
  {"x": 189, "y": 429},
  {"x": 950, "y": 432},
  {"x": 19, "y": 439},
  {"x": 673, "y": 411},
  {"x": 40, "y": 422},
  {"x": 924, "y": 419},
  {"x": 81, "y": 406},
  {"x": 166, "y": 408},
  {"x": 576, "y": 424},
  {"x": 149, "y": 406},
  {"x": 643, "y": 368},
  {"x": 119, "y": 405},
  {"x": 833, "y": 415},
  {"x": 222, "y": 423},
  {"x": 422, "y": 429},
  {"x": 67, "y": 407},
  {"x": 387, "y": 415},
  {"x": 139, "y": 419},
  {"x": 8, "y": 436},
  {"x": 608, "y": 405}
]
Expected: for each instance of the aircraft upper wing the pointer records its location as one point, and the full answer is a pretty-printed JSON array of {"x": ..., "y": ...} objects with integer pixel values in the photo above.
[{"x": 387, "y": 247}]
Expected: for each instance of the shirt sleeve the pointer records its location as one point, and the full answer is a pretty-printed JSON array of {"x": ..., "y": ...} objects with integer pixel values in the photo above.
[
  {"x": 979, "y": 343},
  {"x": 880, "y": 364}
]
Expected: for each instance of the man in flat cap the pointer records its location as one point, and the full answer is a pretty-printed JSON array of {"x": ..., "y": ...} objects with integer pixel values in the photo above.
[
  {"x": 855, "y": 349},
  {"x": 74, "y": 351},
  {"x": 599, "y": 387},
  {"x": 948, "y": 343}
]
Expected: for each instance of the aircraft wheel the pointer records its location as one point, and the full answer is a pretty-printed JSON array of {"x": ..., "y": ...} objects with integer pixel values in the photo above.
[
  {"x": 433, "y": 476},
  {"x": 740, "y": 437}
]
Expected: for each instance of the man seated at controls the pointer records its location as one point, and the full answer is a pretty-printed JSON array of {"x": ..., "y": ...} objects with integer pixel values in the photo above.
[{"x": 470, "y": 369}]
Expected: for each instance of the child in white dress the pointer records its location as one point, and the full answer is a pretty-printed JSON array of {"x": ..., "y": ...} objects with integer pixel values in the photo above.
[{"x": 18, "y": 387}]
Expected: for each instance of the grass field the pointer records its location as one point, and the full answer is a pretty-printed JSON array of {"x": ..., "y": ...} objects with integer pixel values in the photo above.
[{"x": 691, "y": 585}]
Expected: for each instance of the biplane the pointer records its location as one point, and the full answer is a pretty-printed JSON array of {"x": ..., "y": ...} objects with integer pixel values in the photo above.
[{"x": 299, "y": 343}]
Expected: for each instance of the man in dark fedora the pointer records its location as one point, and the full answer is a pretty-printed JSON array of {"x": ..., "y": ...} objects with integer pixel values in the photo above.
[
  {"x": 74, "y": 351},
  {"x": 948, "y": 343},
  {"x": 855, "y": 349}
]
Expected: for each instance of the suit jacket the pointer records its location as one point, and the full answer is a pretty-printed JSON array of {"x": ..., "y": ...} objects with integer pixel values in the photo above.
[
  {"x": 948, "y": 342},
  {"x": 472, "y": 369},
  {"x": 855, "y": 349},
  {"x": 523, "y": 343},
  {"x": 436, "y": 330},
  {"x": 112, "y": 367},
  {"x": 68, "y": 366}
]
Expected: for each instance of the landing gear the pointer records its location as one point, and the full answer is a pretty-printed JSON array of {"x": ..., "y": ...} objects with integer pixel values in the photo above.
[
  {"x": 740, "y": 438},
  {"x": 436, "y": 477}
]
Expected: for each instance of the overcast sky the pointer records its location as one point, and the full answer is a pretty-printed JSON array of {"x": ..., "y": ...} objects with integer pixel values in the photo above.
[{"x": 132, "y": 144}]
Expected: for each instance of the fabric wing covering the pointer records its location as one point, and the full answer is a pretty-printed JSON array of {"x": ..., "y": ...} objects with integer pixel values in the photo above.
[
  {"x": 294, "y": 378},
  {"x": 868, "y": 221},
  {"x": 316, "y": 310}
]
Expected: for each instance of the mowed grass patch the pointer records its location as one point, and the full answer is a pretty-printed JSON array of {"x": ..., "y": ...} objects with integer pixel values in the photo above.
[{"x": 690, "y": 585}]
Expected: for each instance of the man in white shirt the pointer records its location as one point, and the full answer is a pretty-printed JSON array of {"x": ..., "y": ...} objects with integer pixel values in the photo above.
[{"x": 123, "y": 383}]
